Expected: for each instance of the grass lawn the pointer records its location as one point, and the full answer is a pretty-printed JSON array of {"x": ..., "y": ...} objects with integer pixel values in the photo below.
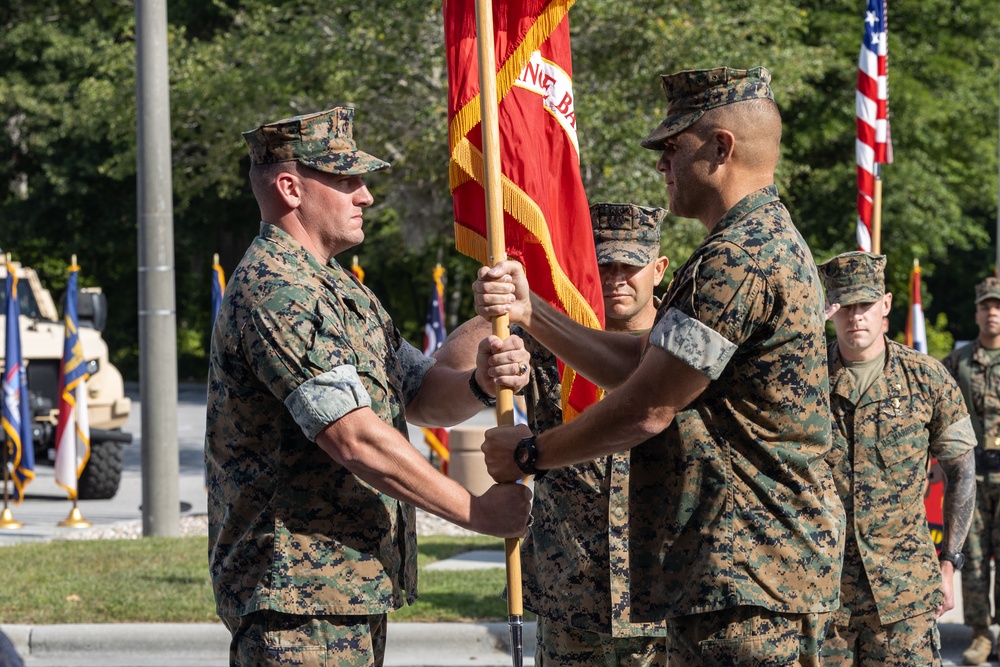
[{"x": 165, "y": 580}]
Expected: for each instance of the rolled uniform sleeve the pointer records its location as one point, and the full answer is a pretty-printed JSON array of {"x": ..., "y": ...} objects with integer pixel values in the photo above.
[
  {"x": 322, "y": 400},
  {"x": 692, "y": 342},
  {"x": 950, "y": 430},
  {"x": 956, "y": 440},
  {"x": 714, "y": 311}
]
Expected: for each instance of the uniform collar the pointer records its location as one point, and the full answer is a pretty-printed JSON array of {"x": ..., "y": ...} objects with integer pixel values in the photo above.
[
  {"x": 344, "y": 283},
  {"x": 888, "y": 385},
  {"x": 745, "y": 206}
]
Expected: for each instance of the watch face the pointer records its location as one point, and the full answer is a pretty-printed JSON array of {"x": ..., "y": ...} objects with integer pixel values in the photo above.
[{"x": 522, "y": 454}]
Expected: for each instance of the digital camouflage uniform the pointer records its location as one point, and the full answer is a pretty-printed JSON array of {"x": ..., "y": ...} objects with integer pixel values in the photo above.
[
  {"x": 978, "y": 376},
  {"x": 575, "y": 559},
  {"x": 884, "y": 438},
  {"x": 735, "y": 525},
  {"x": 733, "y": 506},
  {"x": 304, "y": 556}
]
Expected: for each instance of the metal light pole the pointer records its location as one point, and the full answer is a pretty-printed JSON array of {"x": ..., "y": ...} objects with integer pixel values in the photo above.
[{"x": 157, "y": 309}]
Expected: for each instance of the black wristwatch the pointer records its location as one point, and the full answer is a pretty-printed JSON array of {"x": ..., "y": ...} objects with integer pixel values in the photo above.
[
  {"x": 958, "y": 560},
  {"x": 478, "y": 392},
  {"x": 525, "y": 456}
]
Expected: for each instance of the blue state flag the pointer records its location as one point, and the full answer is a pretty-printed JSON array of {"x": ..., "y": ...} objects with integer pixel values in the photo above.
[
  {"x": 73, "y": 428},
  {"x": 16, "y": 417}
]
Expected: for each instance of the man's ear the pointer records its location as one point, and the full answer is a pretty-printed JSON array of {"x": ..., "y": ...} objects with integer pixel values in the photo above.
[
  {"x": 887, "y": 302},
  {"x": 660, "y": 265},
  {"x": 724, "y": 144},
  {"x": 289, "y": 189}
]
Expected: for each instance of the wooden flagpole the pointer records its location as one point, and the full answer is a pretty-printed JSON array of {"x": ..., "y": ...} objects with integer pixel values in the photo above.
[
  {"x": 877, "y": 211},
  {"x": 496, "y": 247}
]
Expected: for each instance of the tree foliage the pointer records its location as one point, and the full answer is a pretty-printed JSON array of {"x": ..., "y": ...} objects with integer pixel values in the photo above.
[{"x": 67, "y": 106}]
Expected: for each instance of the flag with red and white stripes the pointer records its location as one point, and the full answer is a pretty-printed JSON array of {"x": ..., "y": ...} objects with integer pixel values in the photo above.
[{"x": 873, "y": 145}]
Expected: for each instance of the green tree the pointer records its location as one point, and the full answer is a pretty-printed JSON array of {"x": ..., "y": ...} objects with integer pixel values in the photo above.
[{"x": 68, "y": 115}]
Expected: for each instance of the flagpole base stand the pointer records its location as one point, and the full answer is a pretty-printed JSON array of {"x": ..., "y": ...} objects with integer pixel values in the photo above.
[
  {"x": 7, "y": 521},
  {"x": 75, "y": 520}
]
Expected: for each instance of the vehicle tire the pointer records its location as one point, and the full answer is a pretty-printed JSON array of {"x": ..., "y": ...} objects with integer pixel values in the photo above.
[{"x": 103, "y": 472}]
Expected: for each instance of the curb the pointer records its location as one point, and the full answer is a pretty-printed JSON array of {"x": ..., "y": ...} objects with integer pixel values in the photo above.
[{"x": 408, "y": 644}]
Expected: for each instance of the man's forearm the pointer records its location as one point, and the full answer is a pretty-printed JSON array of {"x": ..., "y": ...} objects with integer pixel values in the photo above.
[
  {"x": 959, "y": 499},
  {"x": 643, "y": 407},
  {"x": 607, "y": 359},
  {"x": 444, "y": 399}
]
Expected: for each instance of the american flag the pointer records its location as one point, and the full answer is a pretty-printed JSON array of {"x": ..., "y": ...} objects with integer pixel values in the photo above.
[
  {"x": 434, "y": 335},
  {"x": 873, "y": 146}
]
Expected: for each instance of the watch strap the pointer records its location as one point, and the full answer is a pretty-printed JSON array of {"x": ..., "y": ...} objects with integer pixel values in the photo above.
[{"x": 478, "y": 392}]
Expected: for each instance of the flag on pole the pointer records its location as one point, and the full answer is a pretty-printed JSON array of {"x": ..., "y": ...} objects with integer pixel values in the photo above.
[
  {"x": 218, "y": 286},
  {"x": 16, "y": 414},
  {"x": 546, "y": 214},
  {"x": 358, "y": 272},
  {"x": 916, "y": 334},
  {"x": 72, "y": 430},
  {"x": 874, "y": 144},
  {"x": 434, "y": 335}
]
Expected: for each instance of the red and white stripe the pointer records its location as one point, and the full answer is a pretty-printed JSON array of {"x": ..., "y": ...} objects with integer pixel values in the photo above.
[{"x": 873, "y": 145}]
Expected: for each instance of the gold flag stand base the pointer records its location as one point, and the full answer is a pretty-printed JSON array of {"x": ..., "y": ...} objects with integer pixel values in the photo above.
[
  {"x": 7, "y": 521},
  {"x": 75, "y": 519}
]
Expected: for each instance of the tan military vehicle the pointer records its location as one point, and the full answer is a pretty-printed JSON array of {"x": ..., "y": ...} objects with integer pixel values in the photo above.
[{"x": 42, "y": 338}]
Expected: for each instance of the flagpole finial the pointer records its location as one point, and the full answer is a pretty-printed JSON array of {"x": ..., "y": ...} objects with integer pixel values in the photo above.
[
  {"x": 916, "y": 263},
  {"x": 72, "y": 260},
  {"x": 215, "y": 258}
]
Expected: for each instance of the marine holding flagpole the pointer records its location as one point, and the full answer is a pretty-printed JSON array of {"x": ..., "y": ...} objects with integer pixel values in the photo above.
[
  {"x": 734, "y": 520},
  {"x": 312, "y": 479}
]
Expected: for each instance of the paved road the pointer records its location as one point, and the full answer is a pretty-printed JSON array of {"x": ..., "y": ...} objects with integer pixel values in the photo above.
[{"x": 45, "y": 503}]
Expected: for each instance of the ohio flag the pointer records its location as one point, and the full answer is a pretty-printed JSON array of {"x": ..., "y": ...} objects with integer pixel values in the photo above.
[
  {"x": 16, "y": 414},
  {"x": 546, "y": 214},
  {"x": 73, "y": 429}
]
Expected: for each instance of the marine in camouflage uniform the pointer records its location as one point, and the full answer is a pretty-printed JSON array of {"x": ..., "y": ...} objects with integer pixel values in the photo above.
[
  {"x": 308, "y": 380},
  {"x": 735, "y": 526},
  {"x": 894, "y": 408},
  {"x": 575, "y": 559},
  {"x": 976, "y": 368}
]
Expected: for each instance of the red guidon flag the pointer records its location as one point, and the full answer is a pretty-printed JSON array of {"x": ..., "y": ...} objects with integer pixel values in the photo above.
[{"x": 546, "y": 214}]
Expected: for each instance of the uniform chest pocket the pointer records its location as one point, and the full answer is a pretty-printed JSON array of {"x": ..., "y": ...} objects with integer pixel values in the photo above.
[{"x": 902, "y": 444}]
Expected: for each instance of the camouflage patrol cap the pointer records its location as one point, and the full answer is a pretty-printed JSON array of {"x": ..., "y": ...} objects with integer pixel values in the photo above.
[
  {"x": 323, "y": 141},
  {"x": 626, "y": 233},
  {"x": 988, "y": 289},
  {"x": 693, "y": 92},
  {"x": 853, "y": 277}
]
